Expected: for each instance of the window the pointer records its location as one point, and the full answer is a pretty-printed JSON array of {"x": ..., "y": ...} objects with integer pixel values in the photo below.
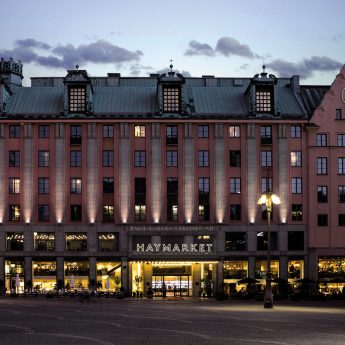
[
  {"x": 203, "y": 160},
  {"x": 296, "y": 158},
  {"x": 322, "y": 220},
  {"x": 14, "y": 159},
  {"x": 321, "y": 139},
  {"x": 338, "y": 114},
  {"x": 204, "y": 185},
  {"x": 263, "y": 99},
  {"x": 14, "y": 213},
  {"x": 108, "y": 131},
  {"x": 76, "y": 241},
  {"x": 341, "y": 220},
  {"x": 75, "y": 185},
  {"x": 171, "y": 135},
  {"x": 341, "y": 166},
  {"x": 322, "y": 194},
  {"x": 14, "y": 131},
  {"x": 295, "y": 131},
  {"x": 235, "y": 212},
  {"x": 204, "y": 198},
  {"x": 15, "y": 241},
  {"x": 140, "y": 199},
  {"x": 43, "y": 131},
  {"x": 75, "y": 135},
  {"x": 172, "y": 199},
  {"x": 203, "y": 131},
  {"x": 43, "y": 213},
  {"x": 14, "y": 185},
  {"x": 322, "y": 165},
  {"x": 295, "y": 240},
  {"x": 171, "y": 99},
  {"x": 108, "y": 185},
  {"x": 139, "y": 158},
  {"x": 296, "y": 185},
  {"x": 43, "y": 158},
  {"x": 341, "y": 140},
  {"x": 266, "y": 158},
  {"x": 171, "y": 158},
  {"x": 235, "y": 241},
  {"x": 75, "y": 157},
  {"x": 140, "y": 213},
  {"x": 235, "y": 158},
  {"x": 108, "y": 213},
  {"x": 234, "y": 131},
  {"x": 296, "y": 212},
  {"x": 76, "y": 213},
  {"x": 341, "y": 193},
  {"x": 44, "y": 241},
  {"x": 262, "y": 240},
  {"x": 43, "y": 185},
  {"x": 235, "y": 185},
  {"x": 108, "y": 158},
  {"x": 266, "y": 184},
  {"x": 108, "y": 242},
  {"x": 266, "y": 135},
  {"x": 77, "y": 99},
  {"x": 139, "y": 131}
]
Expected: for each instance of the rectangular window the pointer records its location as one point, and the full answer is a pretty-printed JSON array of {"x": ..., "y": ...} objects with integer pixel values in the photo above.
[
  {"x": 75, "y": 185},
  {"x": 203, "y": 131},
  {"x": 14, "y": 131},
  {"x": 77, "y": 99},
  {"x": 234, "y": 131},
  {"x": 295, "y": 131},
  {"x": 204, "y": 198},
  {"x": 171, "y": 99},
  {"x": 235, "y": 158},
  {"x": 108, "y": 213},
  {"x": 172, "y": 199},
  {"x": 266, "y": 158},
  {"x": 172, "y": 159},
  {"x": 43, "y": 158},
  {"x": 108, "y": 131},
  {"x": 107, "y": 158},
  {"x": 14, "y": 213},
  {"x": 296, "y": 212},
  {"x": 235, "y": 185},
  {"x": 341, "y": 193},
  {"x": 44, "y": 241},
  {"x": 341, "y": 139},
  {"x": 322, "y": 165},
  {"x": 322, "y": 194},
  {"x": 296, "y": 185},
  {"x": 140, "y": 213},
  {"x": 171, "y": 135},
  {"x": 321, "y": 139},
  {"x": 203, "y": 160},
  {"x": 263, "y": 99},
  {"x": 108, "y": 241},
  {"x": 139, "y": 158},
  {"x": 266, "y": 135},
  {"x": 235, "y": 212},
  {"x": 43, "y": 185},
  {"x": 341, "y": 166},
  {"x": 43, "y": 213},
  {"x": 14, "y": 159},
  {"x": 108, "y": 185},
  {"x": 75, "y": 135},
  {"x": 140, "y": 191},
  {"x": 43, "y": 131},
  {"x": 338, "y": 114},
  {"x": 204, "y": 185},
  {"x": 14, "y": 185},
  {"x": 139, "y": 131},
  {"x": 14, "y": 241},
  {"x": 266, "y": 184},
  {"x": 341, "y": 219},
  {"x": 75, "y": 158},
  {"x": 235, "y": 241},
  {"x": 76, "y": 213},
  {"x": 296, "y": 240},
  {"x": 296, "y": 158},
  {"x": 262, "y": 240},
  {"x": 76, "y": 241},
  {"x": 322, "y": 220}
]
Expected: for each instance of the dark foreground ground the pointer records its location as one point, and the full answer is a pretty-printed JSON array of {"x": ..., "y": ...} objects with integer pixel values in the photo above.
[{"x": 109, "y": 321}]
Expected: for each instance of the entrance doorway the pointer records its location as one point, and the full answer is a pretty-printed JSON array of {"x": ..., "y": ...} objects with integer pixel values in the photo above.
[{"x": 178, "y": 285}]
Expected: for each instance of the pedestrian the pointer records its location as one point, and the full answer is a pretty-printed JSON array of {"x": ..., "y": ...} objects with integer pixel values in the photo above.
[
  {"x": 164, "y": 290},
  {"x": 175, "y": 290}
]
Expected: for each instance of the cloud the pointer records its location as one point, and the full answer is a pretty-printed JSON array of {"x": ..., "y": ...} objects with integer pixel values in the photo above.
[
  {"x": 196, "y": 48},
  {"x": 166, "y": 70},
  {"x": 306, "y": 67},
  {"x": 66, "y": 56}
]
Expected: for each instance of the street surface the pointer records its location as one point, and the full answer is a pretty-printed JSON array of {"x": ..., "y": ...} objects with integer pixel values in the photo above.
[{"x": 109, "y": 321}]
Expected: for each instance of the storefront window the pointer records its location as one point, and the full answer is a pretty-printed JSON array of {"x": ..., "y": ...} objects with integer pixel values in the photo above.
[
  {"x": 14, "y": 276},
  {"x": 296, "y": 269},
  {"x": 76, "y": 241},
  {"x": 108, "y": 275},
  {"x": 44, "y": 241},
  {"x": 235, "y": 269},
  {"x": 15, "y": 241},
  {"x": 261, "y": 268},
  {"x": 76, "y": 274},
  {"x": 108, "y": 242},
  {"x": 44, "y": 275},
  {"x": 331, "y": 267}
]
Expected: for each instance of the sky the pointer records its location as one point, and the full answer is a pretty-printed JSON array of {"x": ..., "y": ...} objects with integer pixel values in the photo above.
[{"x": 224, "y": 38}]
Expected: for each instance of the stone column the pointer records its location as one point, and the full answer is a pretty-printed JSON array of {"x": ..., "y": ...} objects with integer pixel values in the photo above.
[
  {"x": 3, "y": 191},
  {"x": 251, "y": 173},
  {"x": 283, "y": 267},
  {"x": 92, "y": 272},
  {"x": 188, "y": 172},
  {"x": 2, "y": 268},
  {"x": 251, "y": 267},
  {"x": 60, "y": 270},
  {"x": 219, "y": 277},
  {"x": 27, "y": 271},
  {"x": 125, "y": 276},
  {"x": 156, "y": 173},
  {"x": 60, "y": 157},
  {"x": 196, "y": 279},
  {"x": 27, "y": 160},
  {"x": 283, "y": 172},
  {"x": 219, "y": 174},
  {"x": 125, "y": 173},
  {"x": 147, "y": 276}
]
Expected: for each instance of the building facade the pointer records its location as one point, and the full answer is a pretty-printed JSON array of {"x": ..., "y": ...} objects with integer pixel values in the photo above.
[{"x": 136, "y": 182}]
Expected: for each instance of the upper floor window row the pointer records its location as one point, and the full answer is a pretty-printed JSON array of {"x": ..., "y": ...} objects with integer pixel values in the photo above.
[
  {"x": 234, "y": 131},
  {"x": 266, "y": 135},
  {"x": 14, "y": 131},
  {"x": 295, "y": 131}
]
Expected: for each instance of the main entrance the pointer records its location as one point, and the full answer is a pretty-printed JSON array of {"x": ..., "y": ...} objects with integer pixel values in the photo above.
[{"x": 176, "y": 285}]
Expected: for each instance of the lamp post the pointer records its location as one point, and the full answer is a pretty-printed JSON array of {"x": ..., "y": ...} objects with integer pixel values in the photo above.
[{"x": 267, "y": 199}]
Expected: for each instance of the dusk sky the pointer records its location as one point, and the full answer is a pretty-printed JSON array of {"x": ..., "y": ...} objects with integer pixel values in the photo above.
[{"x": 135, "y": 37}]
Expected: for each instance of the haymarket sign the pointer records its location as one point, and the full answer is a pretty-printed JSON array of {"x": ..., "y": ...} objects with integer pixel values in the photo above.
[{"x": 201, "y": 248}]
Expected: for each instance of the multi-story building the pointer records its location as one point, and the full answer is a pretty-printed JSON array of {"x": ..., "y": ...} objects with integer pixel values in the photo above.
[{"x": 139, "y": 181}]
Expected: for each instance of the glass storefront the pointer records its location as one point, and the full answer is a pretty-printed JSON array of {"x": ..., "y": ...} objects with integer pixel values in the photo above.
[
  {"x": 76, "y": 274},
  {"x": 332, "y": 275},
  {"x": 43, "y": 275},
  {"x": 261, "y": 268},
  {"x": 14, "y": 275},
  {"x": 234, "y": 271},
  {"x": 295, "y": 270},
  {"x": 108, "y": 275}
]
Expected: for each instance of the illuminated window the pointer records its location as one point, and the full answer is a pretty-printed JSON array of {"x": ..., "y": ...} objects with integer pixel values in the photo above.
[
  {"x": 296, "y": 158},
  {"x": 296, "y": 185},
  {"x": 321, "y": 139},
  {"x": 43, "y": 158},
  {"x": 296, "y": 212},
  {"x": 139, "y": 131},
  {"x": 341, "y": 140},
  {"x": 171, "y": 99},
  {"x": 14, "y": 213},
  {"x": 14, "y": 241},
  {"x": 263, "y": 98},
  {"x": 295, "y": 131},
  {"x": 322, "y": 194},
  {"x": 108, "y": 242},
  {"x": 140, "y": 213},
  {"x": 75, "y": 185},
  {"x": 322, "y": 165},
  {"x": 341, "y": 166},
  {"x": 77, "y": 99},
  {"x": 76, "y": 241},
  {"x": 108, "y": 131},
  {"x": 235, "y": 185},
  {"x": 14, "y": 185},
  {"x": 43, "y": 185},
  {"x": 108, "y": 213},
  {"x": 234, "y": 131},
  {"x": 44, "y": 241}
]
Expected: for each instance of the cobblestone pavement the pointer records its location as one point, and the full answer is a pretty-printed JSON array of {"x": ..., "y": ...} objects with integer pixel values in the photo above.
[{"x": 139, "y": 322}]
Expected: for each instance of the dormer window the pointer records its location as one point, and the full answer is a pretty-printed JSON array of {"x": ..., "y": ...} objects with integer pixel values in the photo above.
[
  {"x": 77, "y": 99},
  {"x": 171, "y": 99},
  {"x": 263, "y": 99}
]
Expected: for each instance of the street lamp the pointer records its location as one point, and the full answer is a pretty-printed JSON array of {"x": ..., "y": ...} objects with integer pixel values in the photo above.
[{"x": 267, "y": 199}]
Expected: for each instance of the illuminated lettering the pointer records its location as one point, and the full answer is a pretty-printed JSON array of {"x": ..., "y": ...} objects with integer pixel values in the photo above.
[
  {"x": 209, "y": 247},
  {"x": 157, "y": 246},
  {"x": 193, "y": 248},
  {"x": 176, "y": 248},
  {"x": 202, "y": 248},
  {"x": 149, "y": 248},
  {"x": 185, "y": 247},
  {"x": 140, "y": 247},
  {"x": 166, "y": 247}
]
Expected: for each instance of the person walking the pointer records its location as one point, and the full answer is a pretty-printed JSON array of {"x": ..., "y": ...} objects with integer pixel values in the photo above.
[{"x": 164, "y": 290}]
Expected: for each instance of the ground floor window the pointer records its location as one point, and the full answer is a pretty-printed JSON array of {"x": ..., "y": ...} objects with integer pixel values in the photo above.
[
  {"x": 43, "y": 275},
  {"x": 76, "y": 274},
  {"x": 14, "y": 275},
  {"x": 295, "y": 269},
  {"x": 261, "y": 268},
  {"x": 108, "y": 275}
]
